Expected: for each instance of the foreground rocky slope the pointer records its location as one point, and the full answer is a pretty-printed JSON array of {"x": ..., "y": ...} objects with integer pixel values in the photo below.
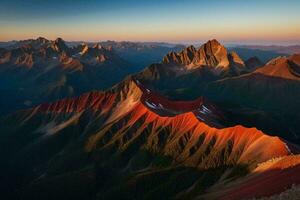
[{"x": 127, "y": 142}]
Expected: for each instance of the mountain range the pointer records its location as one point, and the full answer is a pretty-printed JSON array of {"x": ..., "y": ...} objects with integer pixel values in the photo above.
[
  {"x": 200, "y": 124},
  {"x": 38, "y": 70}
]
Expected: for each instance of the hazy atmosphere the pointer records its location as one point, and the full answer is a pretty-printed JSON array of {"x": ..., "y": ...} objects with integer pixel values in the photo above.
[{"x": 185, "y": 21}]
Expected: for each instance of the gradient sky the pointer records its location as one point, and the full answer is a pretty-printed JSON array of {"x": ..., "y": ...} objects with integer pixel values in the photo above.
[{"x": 189, "y": 21}]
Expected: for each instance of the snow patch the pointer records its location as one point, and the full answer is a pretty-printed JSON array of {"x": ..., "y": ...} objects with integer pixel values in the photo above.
[
  {"x": 161, "y": 106},
  {"x": 288, "y": 149},
  {"x": 201, "y": 111},
  {"x": 154, "y": 106},
  {"x": 150, "y": 105},
  {"x": 199, "y": 117},
  {"x": 206, "y": 109}
]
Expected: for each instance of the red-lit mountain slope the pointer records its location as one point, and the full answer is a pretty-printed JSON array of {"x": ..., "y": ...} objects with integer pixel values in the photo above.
[
  {"x": 267, "y": 98},
  {"x": 127, "y": 140},
  {"x": 282, "y": 67}
]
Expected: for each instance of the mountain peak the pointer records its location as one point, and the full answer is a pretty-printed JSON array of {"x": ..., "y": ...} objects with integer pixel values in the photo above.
[
  {"x": 214, "y": 42},
  {"x": 235, "y": 58},
  {"x": 59, "y": 40},
  {"x": 253, "y": 63},
  {"x": 282, "y": 67},
  {"x": 213, "y": 45},
  {"x": 97, "y": 46},
  {"x": 42, "y": 40},
  {"x": 85, "y": 48},
  {"x": 59, "y": 45},
  {"x": 211, "y": 54},
  {"x": 191, "y": 48}
]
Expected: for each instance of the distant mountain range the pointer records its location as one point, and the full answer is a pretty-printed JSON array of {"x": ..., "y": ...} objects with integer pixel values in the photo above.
[
  {"x": 265, "y": 53},
  {"x": 195, "y": 68},
  {"x": 292, "y": 49},
  {"x": 141, "y": 54},
  {"x": 37, "y": 70},
  {"x": 201, "y": 124},
  {"x": 145, "y": 53}
]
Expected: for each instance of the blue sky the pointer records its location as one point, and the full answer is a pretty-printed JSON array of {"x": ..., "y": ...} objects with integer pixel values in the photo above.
[{"x": 231, "y": 21}]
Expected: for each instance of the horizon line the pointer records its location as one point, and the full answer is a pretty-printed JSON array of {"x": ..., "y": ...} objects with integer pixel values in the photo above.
[{"x": 191, "y": 42}]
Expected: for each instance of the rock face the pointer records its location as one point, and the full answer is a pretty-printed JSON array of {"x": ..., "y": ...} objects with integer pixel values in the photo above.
[
  {"x": 59, "y": 45},
  {"x": 211, "y": 54},
  {"x": 282, "y": 67},
  {"x": 97, "y": 55}
]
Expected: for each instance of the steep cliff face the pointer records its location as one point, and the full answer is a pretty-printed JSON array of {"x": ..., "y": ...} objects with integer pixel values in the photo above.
[{"x": 211, "y": 54}]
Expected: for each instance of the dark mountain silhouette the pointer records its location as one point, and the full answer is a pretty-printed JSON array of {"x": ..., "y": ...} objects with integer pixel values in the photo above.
[
  {"x": 253, "y": 63},
  {"x": 141, "y": 54},
  {"x": 289, "y": 49},
  {"x": 263, "y": 55}
]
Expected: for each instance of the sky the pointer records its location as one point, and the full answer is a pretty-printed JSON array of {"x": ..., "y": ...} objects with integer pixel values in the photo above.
[{"x": 177, "y": 21}]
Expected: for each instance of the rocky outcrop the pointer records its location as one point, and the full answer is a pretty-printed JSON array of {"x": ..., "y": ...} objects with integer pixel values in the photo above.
[
  {"x": 282, "y": 67},
  {"x": 211, "y": 54}
]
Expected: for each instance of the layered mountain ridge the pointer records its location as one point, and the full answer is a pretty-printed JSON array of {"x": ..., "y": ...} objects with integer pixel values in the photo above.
[
  {"x": 132, "y": 142},
  {"x": 38, "y": 70},
  {"x": 194, "y": 68},
  {"x": 41, "y": 49},
  {"x": 130, "y": 121},
  {"x": 42, "y": 70}
]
